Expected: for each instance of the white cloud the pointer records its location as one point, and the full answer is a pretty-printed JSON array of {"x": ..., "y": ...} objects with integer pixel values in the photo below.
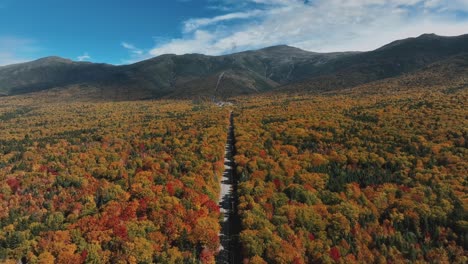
[
  {"x": 12, "y": 47},
  {"x": 132, "y": 48},
  {"x": 319, "y": 25},
  {"x": 193, "y": 24},
  {"x": 136, "y": 54},
  {"x": 84, "y": 57},
  {"x": 200, "y": 42},
  {"x": 7, "y": 58}
]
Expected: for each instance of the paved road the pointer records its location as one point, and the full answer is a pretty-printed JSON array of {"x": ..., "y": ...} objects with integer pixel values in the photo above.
[{"x": 230, "y": 225}]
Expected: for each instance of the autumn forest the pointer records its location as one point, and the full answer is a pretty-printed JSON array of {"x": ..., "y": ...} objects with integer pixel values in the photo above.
[{"x": 321, "y": 179}]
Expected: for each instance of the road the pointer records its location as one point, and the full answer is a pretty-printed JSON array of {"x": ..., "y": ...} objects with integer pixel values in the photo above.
[{"x": 230, "y": 224}]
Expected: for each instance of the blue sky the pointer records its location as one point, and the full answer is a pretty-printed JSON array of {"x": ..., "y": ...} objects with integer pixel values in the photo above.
[{"x": 123, "y": 31}]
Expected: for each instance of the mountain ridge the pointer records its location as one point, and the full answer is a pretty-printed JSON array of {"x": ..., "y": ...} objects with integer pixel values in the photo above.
[{"x": 273, "y": 68}]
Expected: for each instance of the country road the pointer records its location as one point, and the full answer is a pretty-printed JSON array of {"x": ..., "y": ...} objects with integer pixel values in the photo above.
[{"x": 230, "y": 224}]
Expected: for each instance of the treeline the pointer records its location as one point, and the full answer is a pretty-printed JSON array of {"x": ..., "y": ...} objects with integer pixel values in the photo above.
[
  {"x": 353, "y": 179},
  {"x": 133, "y": 182}
]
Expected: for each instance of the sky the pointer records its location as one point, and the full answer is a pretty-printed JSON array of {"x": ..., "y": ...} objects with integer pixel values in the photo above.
[{"x": 127, "y": 31}]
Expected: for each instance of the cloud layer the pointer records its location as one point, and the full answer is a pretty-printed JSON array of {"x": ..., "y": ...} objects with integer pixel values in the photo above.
[
  {"x": 84, "y": 57},
  {"x": 315, "y": 25},
  {"x": 14, "y": 50}
]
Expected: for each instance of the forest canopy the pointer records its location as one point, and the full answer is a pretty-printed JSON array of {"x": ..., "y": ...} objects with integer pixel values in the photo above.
[
  {"x": 134, "y": 182},
  {"x": 332, "y": 178},
  {"x": 353, "y": 179}
]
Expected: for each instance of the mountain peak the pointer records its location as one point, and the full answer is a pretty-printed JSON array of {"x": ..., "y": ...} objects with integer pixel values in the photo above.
[
  {"x": 421, "y": 38},
  {"x": 428, "y": 35},
  {"x": 53, "y": 59},
  {"x": 46, "y": 61},
  {"x": 425, "y": 35},
  {"x": 282, "y": 48}
]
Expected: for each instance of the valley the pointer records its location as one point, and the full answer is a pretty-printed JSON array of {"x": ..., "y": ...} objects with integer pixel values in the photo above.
[
  {"x": 277, "y": 155},
  {"x": 322, "y": 178}
]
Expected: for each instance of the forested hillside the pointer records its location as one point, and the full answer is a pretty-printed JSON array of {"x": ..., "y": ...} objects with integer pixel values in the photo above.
[{"x": 354, "y": 179}]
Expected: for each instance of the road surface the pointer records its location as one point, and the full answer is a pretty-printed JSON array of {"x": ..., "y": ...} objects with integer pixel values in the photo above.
[{"x": 230, "y": 224}]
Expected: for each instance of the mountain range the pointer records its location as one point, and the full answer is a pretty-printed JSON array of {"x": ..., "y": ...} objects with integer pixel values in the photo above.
[{"x": 277, "y": 68}]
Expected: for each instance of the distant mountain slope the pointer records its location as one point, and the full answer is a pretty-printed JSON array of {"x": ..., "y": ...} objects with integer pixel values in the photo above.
[
  {"x": 394, "y": 59},
  {"x": 48, "y": 73},
  {"x": 200, "y": 75},
  {"x": 166, "y": 75},
  {"x": 280, "y": 67},
  {"x": 449, "y": 76}
]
